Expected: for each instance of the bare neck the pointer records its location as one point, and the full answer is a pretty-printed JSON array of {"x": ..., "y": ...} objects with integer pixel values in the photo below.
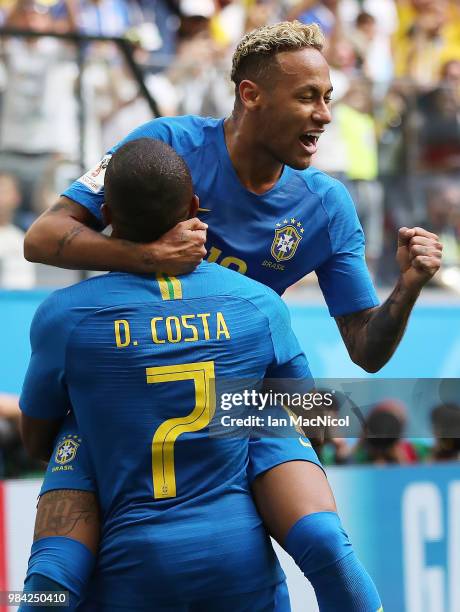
[{"x": 257, "y": 170}]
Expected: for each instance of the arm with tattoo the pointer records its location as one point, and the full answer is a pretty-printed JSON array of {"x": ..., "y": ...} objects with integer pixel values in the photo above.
[
  {"x": 70, "y": 513},
  {"x": 372, "y": 336},
  {"x": 66, "y": 236}
]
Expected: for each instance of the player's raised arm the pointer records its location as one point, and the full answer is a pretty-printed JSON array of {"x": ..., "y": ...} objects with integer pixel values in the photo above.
[
  {"x": 66, "y": 236},
  {"x": 372, "y": 335}
]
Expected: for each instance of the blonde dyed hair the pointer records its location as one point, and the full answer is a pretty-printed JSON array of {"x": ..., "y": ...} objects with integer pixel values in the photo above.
[{"x": 267, "y": 41}]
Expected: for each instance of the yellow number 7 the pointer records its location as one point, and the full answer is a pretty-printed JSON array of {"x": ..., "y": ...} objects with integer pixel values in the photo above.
[{"x": 202, "y": 374}]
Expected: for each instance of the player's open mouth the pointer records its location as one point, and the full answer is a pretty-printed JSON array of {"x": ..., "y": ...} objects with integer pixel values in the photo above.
[{"x": 309, "y": 141}]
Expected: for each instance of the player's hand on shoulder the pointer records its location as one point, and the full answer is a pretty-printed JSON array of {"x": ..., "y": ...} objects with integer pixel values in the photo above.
[
  {"x": 179, "y": 251},
  {"x": 419, "y": 256}
]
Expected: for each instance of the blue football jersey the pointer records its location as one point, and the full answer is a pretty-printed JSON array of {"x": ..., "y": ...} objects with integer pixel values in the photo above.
[
  {"x": 139, "y": 358},
  {"x": 306, "y": 222}
]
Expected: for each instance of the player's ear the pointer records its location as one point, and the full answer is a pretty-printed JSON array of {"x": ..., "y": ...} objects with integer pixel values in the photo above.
[
  {"x": 106, "y": 214},
  {"x": 249, "y": 94},
  {"x": 194, "y": 206}
]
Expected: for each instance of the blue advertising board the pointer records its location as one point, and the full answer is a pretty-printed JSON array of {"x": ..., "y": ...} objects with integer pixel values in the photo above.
[{"x": 405, "y": 524}]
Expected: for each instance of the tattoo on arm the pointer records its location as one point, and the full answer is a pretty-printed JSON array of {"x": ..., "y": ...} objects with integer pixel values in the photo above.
[
  {"x": 372, "y": 336},
  {"x": 62, "y": 512},
  {"x": 68, "y": 237},
  {"x": 351, "y": 327}
]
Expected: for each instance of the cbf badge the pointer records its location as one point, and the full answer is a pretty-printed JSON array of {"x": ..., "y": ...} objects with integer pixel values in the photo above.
[
  {"x": 287, "y": 238},
  {"x": 67, "y": 449}
]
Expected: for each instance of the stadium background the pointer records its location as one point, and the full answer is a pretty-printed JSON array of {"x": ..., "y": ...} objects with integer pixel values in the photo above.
[{"x": 395, "y": 142}]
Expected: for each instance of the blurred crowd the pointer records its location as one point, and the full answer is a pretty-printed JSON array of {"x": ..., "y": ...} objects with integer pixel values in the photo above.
[
  {"x": 384, "y": 439},
  {"x": 14, "y": 461},
  {"x": 394, "y": 139}
]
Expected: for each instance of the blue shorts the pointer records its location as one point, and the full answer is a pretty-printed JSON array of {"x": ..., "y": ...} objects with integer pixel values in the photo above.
[
  {"x": 271, "y": 599},
  {"x": 267, "y": 453}
]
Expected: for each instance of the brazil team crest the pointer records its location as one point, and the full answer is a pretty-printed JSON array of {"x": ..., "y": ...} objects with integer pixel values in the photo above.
[
  {"x": 287, "y": 238},
  {"x": 67, "y": 449}
]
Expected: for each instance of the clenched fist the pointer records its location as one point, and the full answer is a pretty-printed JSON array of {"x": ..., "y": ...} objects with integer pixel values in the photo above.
[
  {"x": 419, "y": 256},
  {"x": 179, "y": 251}
]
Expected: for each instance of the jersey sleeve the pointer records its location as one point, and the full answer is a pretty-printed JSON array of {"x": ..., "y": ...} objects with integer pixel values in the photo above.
[
  {"x": 70, "y": 466},
  {"x": 344, "y": 278},
  {"x": 44, "y": 394},
  {"x": 88, "y": 190}
]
